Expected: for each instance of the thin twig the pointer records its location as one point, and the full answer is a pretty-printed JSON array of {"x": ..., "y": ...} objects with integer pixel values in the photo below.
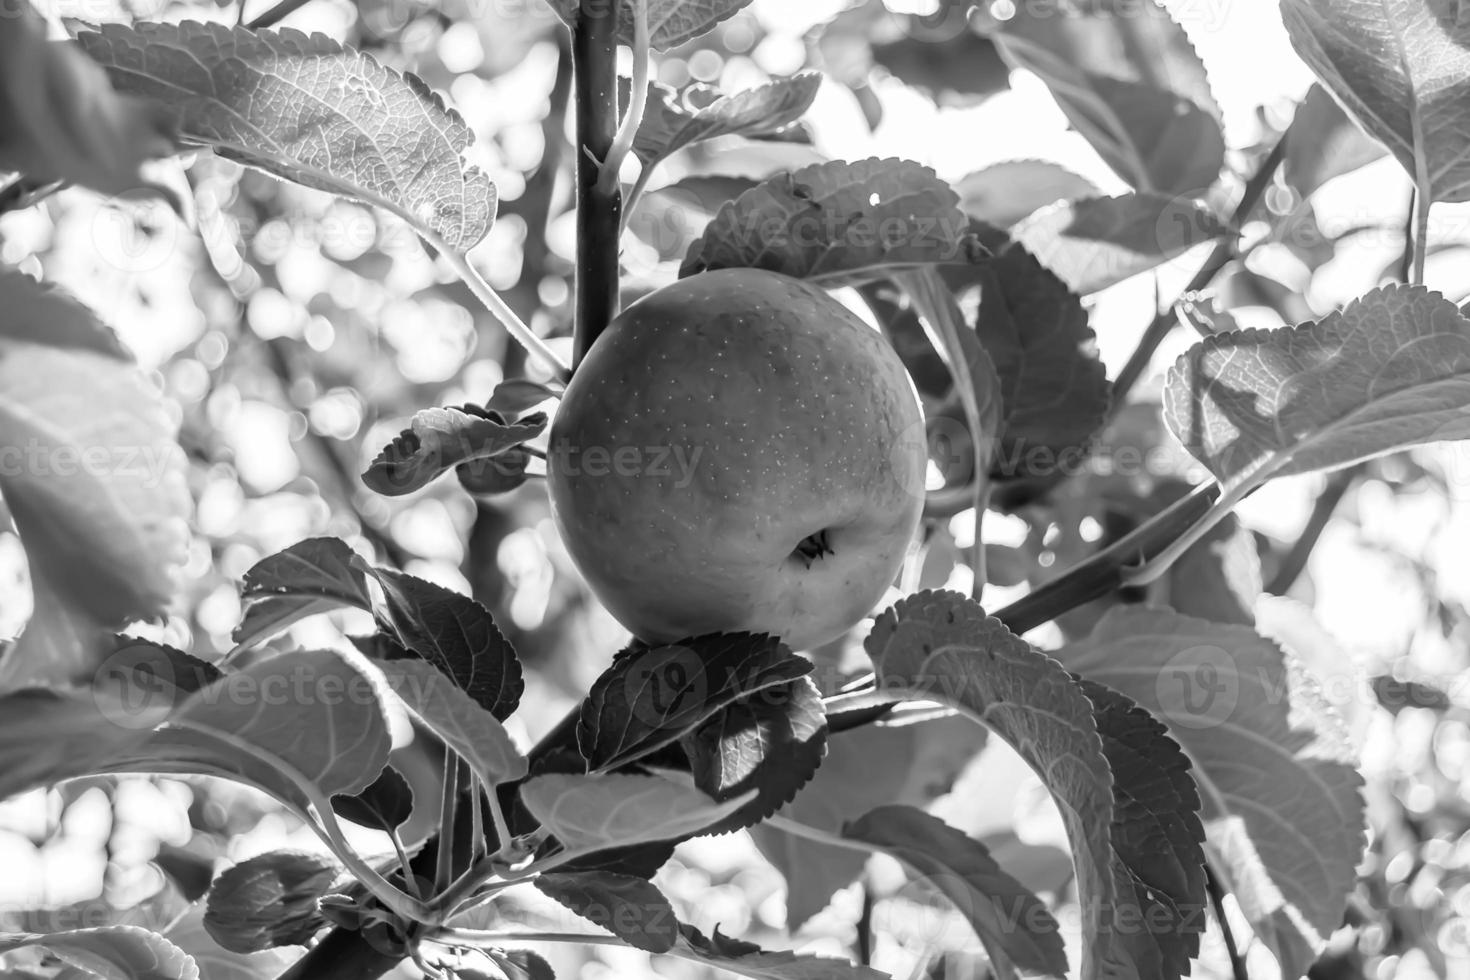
[
  {"x": 274, "y": 15},
  {"x": 1217, "y": 898},
  {"x": 444, "y": 866},
  {"x": 1422, "y": 203},
  {"x": 864, "y": 942},
  {"x": 1295, "y": 562},
  {"x": 1224, "y": 251},
  {"x": 1411, "y": 214},
  {"x": 483, "y": 937},
  {"x": 501, "y": 310},
  {"x": 612, "y": 164}
]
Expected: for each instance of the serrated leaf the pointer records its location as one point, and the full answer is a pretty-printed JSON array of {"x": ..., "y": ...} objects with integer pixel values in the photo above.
[
  {"x": 941, "y": 646},
  {"x": 146, "y": 672},
  {"x": 1323, "y": 143},
  {"x": 457, "y": 635},
  {"x": 466, "y": 727},
  {"x": 863, "y": 768},
  {"x": 593, "y": 812},
  {"x": 670, "y": 22},
  {"x": 649, "y": 698},
  {"x": 305, "y": 715},
  {"x": 1096, "y": 242},
  {"x": 93, "y": 479},
  {"x": 1138, "y": 40},
  {"x": 111, "y": 952},
  {"x": 769, "y": 743},
  {"x": 960, "y": 70},
  {"x": 1156, "y": 824},
  {"x": 269, "y": 900},
  {"x": 671, "y": 123},
  {"x": 1054, "y": 390},
  {"x": 1402, "y": 69},
  {"x": 1386, "y": 372},
  {"x": 1128, "y": 79},
  {"x": 439, "y": 439},
  {"x": 1004, "y": 193},
  {"x": 308, "y": 109},
  {"x": 750, "y": 960},
  {"x": 1013, "y": 924},
  {"x": 63, "y": 121},
  {"x": 1266, "y": 755},
  {"x": 313, "y": 576},
  {"x": 838, "y": 223},
  {"x": 630, "y": 908},
  {"x": 1177, "y": 147}
]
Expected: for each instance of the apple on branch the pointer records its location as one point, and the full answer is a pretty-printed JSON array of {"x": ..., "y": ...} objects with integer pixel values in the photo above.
[{"x": 738, "y": 451}]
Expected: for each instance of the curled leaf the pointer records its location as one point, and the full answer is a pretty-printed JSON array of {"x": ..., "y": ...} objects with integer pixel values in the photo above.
[{"x": 439, "y": 439}]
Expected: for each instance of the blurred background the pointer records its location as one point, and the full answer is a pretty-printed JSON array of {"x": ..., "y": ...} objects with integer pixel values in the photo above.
[{"x": 296, "y": 333}]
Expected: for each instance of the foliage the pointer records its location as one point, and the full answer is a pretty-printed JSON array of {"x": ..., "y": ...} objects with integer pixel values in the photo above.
[{"x": 371, "y": 244}]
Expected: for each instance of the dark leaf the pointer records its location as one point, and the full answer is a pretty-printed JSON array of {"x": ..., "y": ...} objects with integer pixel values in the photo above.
[
  {"x": 651, "y": 697},
  {"x": 494, "y": 474},
  {"x": 770, "y": 742},
  {"x": 457, "y": 635},
  {"x": 1090, "y": 756},
  {"x": 1055, "y": 391},
  {"x": 312, "y": 576},
  {"x": 439, "y": 439},
  {"x": 630, "y": 908},
  {"x": 384, "y": 805},
  {"x": 521, "y": 964},
  {"x": 269, "y": 900}
]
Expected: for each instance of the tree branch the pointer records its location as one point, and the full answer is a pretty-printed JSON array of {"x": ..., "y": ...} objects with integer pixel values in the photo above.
[
  {"x": 599, "y": 210},
  {"x": 1217, "y": 898},
  {"x": 1224, "y": 251},
  {"x": 1295, "y": 561}
]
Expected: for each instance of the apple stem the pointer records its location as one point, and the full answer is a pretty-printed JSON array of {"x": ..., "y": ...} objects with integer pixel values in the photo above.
[{"x": 599, "y": 208}]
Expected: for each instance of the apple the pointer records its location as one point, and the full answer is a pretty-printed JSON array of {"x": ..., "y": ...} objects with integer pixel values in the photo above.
[{"x": 738, "y": 451}]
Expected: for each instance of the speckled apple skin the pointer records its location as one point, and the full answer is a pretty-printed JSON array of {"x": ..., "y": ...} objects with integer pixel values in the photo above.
[{"x": 796, "y": 417}]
